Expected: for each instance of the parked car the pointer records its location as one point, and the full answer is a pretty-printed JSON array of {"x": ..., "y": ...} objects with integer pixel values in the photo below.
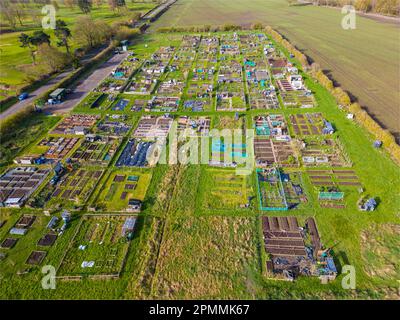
[{"x": 23, "y": 96}]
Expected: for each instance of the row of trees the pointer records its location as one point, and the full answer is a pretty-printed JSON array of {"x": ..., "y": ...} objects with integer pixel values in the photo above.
[
  {"x": 86, "y": 5},
  {"x": 15, "y": 12},
  {"x": 343, "y": 99},
  {"x": 385, "y": 7},
  {"x": 87, "y": 33},
  {"x": 208, "y": 28}
]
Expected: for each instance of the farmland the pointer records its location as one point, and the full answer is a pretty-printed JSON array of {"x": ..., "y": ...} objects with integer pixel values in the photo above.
[
  {"x": 367, "y": 71},
  {"x": 171, "y": 230}
]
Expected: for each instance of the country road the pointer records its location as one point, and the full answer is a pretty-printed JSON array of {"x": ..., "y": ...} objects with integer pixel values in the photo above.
[
  {"x": 80, "y": 92},
  {"x": 85, "y": 86},
  {"x": 32, "y": 96}
]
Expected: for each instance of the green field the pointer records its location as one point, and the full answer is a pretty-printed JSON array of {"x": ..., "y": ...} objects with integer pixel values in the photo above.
[
  {"x": 364, "y": 61},
  {"x": 194, "y": 239}
]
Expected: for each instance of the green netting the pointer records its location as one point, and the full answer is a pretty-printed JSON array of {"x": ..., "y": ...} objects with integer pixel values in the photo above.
[
  {"x": 330, "y": 195},
  {"x": 263, "y": 130}
]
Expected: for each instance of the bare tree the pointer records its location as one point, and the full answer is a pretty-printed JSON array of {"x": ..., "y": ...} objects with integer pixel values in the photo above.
[
  {"x": 8, "y": 13},
  {"x": 69, "y": 3},
  {"x": 91, "y": 33}
]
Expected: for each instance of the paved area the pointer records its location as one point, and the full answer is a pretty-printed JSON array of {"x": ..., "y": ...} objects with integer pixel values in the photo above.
[
  {"x": 87, "y": 85},
  {"x": 32, "y": 96}
]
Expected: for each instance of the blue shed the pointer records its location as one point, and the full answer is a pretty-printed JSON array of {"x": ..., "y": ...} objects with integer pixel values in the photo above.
[{"x": 328, "y": 128}]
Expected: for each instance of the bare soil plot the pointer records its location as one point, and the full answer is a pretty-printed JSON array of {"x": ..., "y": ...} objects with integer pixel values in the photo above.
[
  {"x": 285, "y": 244},
  {"x": 97, "y": 150},
  {"x": 8, "y": 243},
  {"x": 57, "y": 147},
  {"x": 332, "y": 185},
  {"x": 153, "y": 127},
  {"x": 36, "y": 257},
  {"x": 73, "y": 188},
  {"x": 323, "y": 152},
  {"x": 331, "y": 177},
  {"x": 75, "y": 123},
  {"x": 267, "y": 152},
  {"x": 307, "y": 124},
  {"x": 25, "y": 221},
  {"x": 47, "y": 240}
]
